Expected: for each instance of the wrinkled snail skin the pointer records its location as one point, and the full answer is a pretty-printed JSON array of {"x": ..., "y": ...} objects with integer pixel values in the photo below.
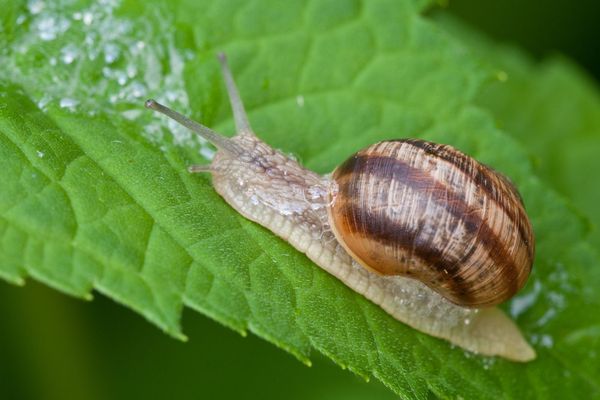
[{"x": 311, "y": 212}]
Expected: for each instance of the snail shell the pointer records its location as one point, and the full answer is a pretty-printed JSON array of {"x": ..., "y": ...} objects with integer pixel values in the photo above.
[
  {"x": 438, "y": 232},
  {"x": 428, "y": 211}
]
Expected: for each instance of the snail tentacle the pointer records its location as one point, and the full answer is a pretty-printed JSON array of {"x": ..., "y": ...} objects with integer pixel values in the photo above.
[
  {"x": 220, "y": 141},
  {"x": 242, "y": 125}
]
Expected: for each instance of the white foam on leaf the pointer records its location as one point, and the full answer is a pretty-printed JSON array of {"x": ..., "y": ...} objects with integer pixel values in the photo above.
[
  {"x": 68, "y": 103},
  {"x": 134, "y": 60},
  {"x": 35, "y": 6},
  {"x": 524, "y": 302},
  {"x": 69, "y": 53}
]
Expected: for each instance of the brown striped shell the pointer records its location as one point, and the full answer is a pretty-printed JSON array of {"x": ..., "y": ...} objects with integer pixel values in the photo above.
[{"x": 428, "y": 211}]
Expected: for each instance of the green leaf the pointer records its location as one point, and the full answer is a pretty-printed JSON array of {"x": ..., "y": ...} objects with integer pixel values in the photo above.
[
  {"x": 95, "y": 194},
  {"x": 553, "y": 108}
]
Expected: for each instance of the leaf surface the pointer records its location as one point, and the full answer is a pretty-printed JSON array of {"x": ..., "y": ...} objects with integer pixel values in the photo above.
[{"x": 95, "y": 194}]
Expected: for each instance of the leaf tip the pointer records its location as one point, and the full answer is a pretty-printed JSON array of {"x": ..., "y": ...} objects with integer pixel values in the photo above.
[
  {"x": 182, "y": 337},
  {"x": 177, "y": 334}
]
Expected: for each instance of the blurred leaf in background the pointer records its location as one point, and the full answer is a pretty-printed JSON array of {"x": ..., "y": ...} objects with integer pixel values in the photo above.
[
  {"x": 96, "y": 193},
  {"x": 55, "y": 347},
  {"x": 553, "y": 107}
]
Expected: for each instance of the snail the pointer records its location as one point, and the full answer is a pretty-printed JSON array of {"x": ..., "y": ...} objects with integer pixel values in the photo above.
[{"x": 431, "y": 235}]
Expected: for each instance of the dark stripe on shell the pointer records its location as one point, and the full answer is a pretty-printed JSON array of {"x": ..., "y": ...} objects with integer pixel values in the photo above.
[
  {"x": 420, "y": 181},
  {"x": 371, "y": 224},
  {"x": 479, "y": 172}
]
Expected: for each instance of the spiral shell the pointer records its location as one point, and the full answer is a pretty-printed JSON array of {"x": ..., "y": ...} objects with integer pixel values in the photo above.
[{"x": 428, "y": 211}]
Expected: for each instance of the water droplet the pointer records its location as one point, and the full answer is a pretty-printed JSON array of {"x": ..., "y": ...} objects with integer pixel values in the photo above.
[
  {"x": 131, "y": 71},
  {"x": 35, "y": 6},
  {"x": 111, "y": 53},
  {"x": 547, "y": 341},
  {"x": 171, "y": 95},
  {"x": 548, "y": 315},
  {"x": 132, "y": 114},
  {"x": 43, "y": 102},
  {"x": 138, "y": 90},
  {"x": 300, "y": 100},
  {"x": 68, "y": 103},
  {"x": 88, "y": 18},
  {"x": 121, "y": 78},
  {"x": 488, "y": 362},
  {"x": 69, "y": 53},
  {"x": 524, "y": 302},
  {"x": 49, "y": 27},
  {"x": 544, "y": 340},
  {"x": 208, "y": 154},
  {"x": 40, "y": 154}
]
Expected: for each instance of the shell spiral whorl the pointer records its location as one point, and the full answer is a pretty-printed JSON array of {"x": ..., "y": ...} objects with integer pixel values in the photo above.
[{"x": 427, "y": 211}]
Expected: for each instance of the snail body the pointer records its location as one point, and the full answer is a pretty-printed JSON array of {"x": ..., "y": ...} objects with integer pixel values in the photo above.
[{"x": 427, "y": 233}]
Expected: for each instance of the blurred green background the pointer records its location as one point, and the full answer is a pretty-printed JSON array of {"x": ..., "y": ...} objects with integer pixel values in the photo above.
[
  {"x": 540, "y": 27},
  {"x": 56, "y": 347}
]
